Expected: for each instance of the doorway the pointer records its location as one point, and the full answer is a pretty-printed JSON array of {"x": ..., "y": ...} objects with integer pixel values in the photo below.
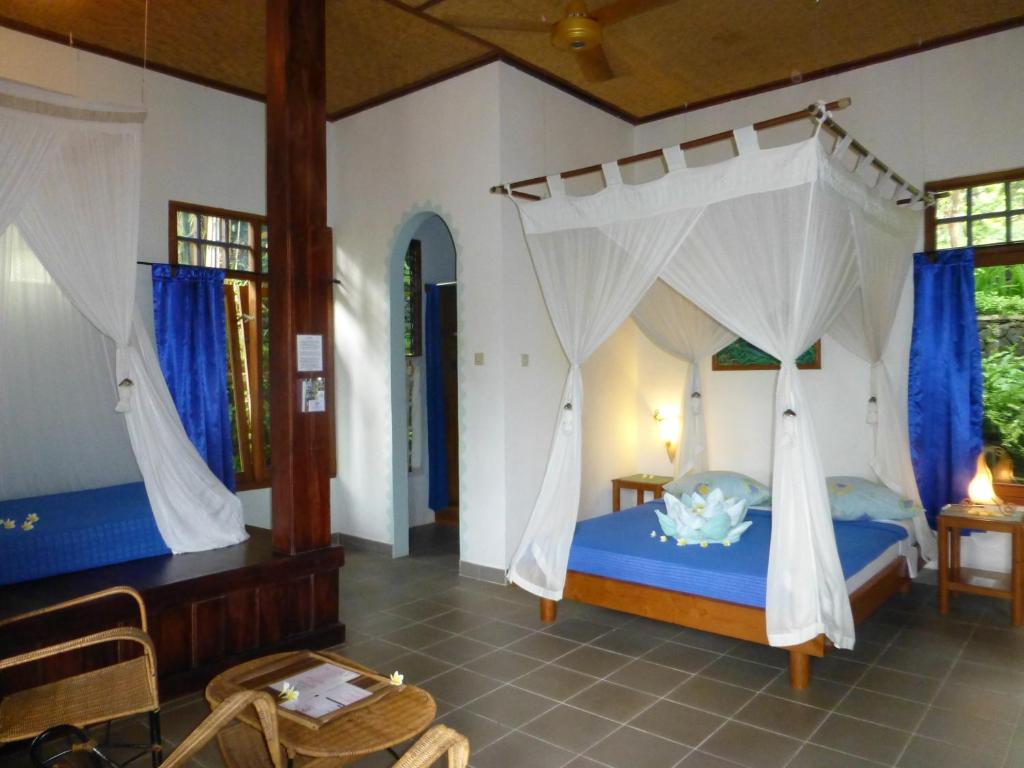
[{"x": 425, "y": 389}]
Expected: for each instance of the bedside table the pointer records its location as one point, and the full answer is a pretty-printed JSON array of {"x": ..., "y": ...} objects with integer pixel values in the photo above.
[
  {"x": 639, "y": 483},
  {"x": 952, "y": 578}
]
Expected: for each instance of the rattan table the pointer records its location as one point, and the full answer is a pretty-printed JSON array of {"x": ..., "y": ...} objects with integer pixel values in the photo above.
[{"x": 393, "y": 719}]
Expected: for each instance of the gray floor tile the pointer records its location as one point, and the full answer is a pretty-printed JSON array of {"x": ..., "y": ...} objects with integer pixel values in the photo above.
[
  {"x": 555, "y": 682},
  {"x": 629, "y": 642},
  {"x": 615, "y": 702},
  {"x": 964, "y": 730},
  {"x": 884, "y": 710},
  {"x": 480, "y": 731},
  {"x": 517, "y": 750},
  {"x": 458, "y": 621},
  {"x": 416, "y": 637},
  {"x": 623, "y": 748},
  {"x": 922, "y": 752},
  {"x": 376, "y": 654},
  {"x": 460, "y": 686},
  {"x": 858, "y": 737},
  {"x": 504, "y": 665},
  {"x": 580, "y": 630},
  {"x": 742, "y": 673},
  {"x": 750, "y": 747},
  {"x": 419, "y": 609},
  {"x": 916, "y": 661},
  {"x": 820, "y": 693},
  {"x": 543, "y": 646},
  {"x": 648, "y": 677},
  {"x": 499, "y": 633},
  {"x": 687, "y": 658},
  {"x": 571, "y": 728},
  {"x": 814, "y": 756},
  {"x": 582, "y": 761},
  {"x": 1001, "y": 679},
  {"x": 698, "y": 759},
  {"x": 677, "y": 722},
  {"x": 511, "y": 706},
  {"x": 980, "y": 702},
  {"x": 704, "y": 640},
  {"x": 711, "y": 695},
  {"x": 593, "y": 661},
  {"x": 782, "y": 716},
  {"x": 837, "y": 669},
  {"x": 418, "y": 668},
  {"x": 458, "y": 649},
  {"x": 760, "y": 654},
  {"x": 906, "y": 686}
]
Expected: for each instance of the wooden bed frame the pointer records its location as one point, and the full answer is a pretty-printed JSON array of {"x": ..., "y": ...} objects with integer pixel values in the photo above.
[{"x": 743, "y": 622}]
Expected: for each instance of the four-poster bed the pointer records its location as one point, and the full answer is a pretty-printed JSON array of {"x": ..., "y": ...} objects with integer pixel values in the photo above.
[{"x": 778, "y": 246}]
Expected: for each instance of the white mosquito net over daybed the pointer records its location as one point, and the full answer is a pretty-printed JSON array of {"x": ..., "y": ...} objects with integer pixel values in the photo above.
[
  {"x": 776, "y": 245},
  {"x": 70, "y": 183}
]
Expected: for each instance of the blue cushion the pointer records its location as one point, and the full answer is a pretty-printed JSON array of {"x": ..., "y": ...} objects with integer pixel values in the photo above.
[
  {"x": 854, "y": 498},
  {"x": 732, "y": 484}
]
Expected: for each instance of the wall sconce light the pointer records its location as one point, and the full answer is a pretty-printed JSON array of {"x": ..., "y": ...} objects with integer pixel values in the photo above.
[{"x": 668, "y": 428}]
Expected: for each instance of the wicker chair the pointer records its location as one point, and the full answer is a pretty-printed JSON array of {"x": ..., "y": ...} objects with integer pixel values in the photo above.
[
  {"x": 434, "y": 744},
  {"x": 112, "y": 692},
  {"x": 238, "y": 745}
]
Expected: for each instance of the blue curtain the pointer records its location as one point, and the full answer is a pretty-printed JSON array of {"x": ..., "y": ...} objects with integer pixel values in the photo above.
[
  {"x": 945, "y": 387},
  {"x": 191, "y": 342},
  {"x": 437, "y": 437}
]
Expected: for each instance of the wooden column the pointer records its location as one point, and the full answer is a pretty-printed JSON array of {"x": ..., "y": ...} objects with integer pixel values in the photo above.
[{"x": 300, "y": 268}]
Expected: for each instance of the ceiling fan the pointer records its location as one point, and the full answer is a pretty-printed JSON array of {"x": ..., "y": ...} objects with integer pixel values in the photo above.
[{"x": 579, "y": 31}]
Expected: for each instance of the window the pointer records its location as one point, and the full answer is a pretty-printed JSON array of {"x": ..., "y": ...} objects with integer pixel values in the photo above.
[
  {"x": 987, "y": 212},
  {"x": 237, "y": 243}
]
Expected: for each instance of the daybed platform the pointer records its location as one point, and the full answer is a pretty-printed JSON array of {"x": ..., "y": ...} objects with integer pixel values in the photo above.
[
  {"x": 615, "y": 563},
  {"x": 76, "y": 531},
  {"x": 207, "y": 611}
]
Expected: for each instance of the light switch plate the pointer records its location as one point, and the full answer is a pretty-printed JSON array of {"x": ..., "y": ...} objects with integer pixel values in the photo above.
[
  {"x": 524, "y": 360},
  {"x": 478, "y": 358}
]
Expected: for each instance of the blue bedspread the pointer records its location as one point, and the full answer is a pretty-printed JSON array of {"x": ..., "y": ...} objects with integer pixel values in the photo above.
[
  {"x": 75, "y": 531},
  {"x": 619, "y": 546}
]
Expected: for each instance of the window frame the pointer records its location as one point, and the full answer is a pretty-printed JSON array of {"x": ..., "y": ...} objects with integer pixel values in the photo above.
[
  {"x": 996, "y": 255},
  {"x": 256, "y": 472}
]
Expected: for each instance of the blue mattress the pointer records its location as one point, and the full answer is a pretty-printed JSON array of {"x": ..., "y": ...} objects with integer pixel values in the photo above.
[
  {"x": 76, "y": 531},
  {"x": 619, "y": 546}
]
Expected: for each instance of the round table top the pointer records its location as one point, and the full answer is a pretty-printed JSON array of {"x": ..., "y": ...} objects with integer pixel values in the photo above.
[{"x": 390, "y": 720}]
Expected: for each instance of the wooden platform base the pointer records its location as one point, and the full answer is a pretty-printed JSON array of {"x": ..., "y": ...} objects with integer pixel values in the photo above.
[{"x": 207, "y": 611}]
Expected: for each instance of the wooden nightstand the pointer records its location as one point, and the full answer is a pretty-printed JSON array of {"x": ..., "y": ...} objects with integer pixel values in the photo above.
[
  {"x": 639, "y": 483},
  {"x": 952, "y": 578}
]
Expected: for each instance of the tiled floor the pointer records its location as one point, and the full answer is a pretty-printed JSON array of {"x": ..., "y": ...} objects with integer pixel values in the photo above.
[{"x": 602, "y": 689}]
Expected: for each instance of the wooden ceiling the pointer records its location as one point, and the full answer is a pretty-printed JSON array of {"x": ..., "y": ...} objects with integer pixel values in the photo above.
[{"x": 666, "y": 58}]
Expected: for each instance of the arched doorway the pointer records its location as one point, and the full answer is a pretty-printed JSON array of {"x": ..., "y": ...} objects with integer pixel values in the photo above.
[{"x": 424, "y": 386}]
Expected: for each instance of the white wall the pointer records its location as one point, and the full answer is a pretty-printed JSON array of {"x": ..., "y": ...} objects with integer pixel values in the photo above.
[
  {"x": 437, "y": 265},
  {"x": 199, "y": 145}
]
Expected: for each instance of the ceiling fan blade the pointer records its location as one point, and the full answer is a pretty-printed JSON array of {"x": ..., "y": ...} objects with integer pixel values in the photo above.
[
  {"x": 594, "y": 64},
  {"x": 507, "y": 25},
  {"x": 624, "y": 9}
]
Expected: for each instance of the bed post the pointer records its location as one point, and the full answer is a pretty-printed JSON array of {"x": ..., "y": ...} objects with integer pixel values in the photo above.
[
  {"x": 548, "y": 610},
  {"x": 799, "y": 670}
]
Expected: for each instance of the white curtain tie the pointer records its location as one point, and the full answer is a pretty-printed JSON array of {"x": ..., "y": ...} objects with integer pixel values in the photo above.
[
  {"x": 125, "y": 385},
  {"x": 674, "y": 159},
  {"x": 746, "y": 139},
  {"x": 868, "y": 160},
  {"x": 695, "y": 402},
  {"x": 821, "y": 114},
  {"x": 612, "y": 174},
  {"x": 556, "y": 186}
]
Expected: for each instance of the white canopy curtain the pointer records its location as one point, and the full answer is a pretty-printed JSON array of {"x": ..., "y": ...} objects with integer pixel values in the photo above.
[
  {"x": 765, "y": 246},
  {"x": 77, "y": 207},
  {"x": 679, "y": 327},
  {"x": 885, "y": 245}
]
